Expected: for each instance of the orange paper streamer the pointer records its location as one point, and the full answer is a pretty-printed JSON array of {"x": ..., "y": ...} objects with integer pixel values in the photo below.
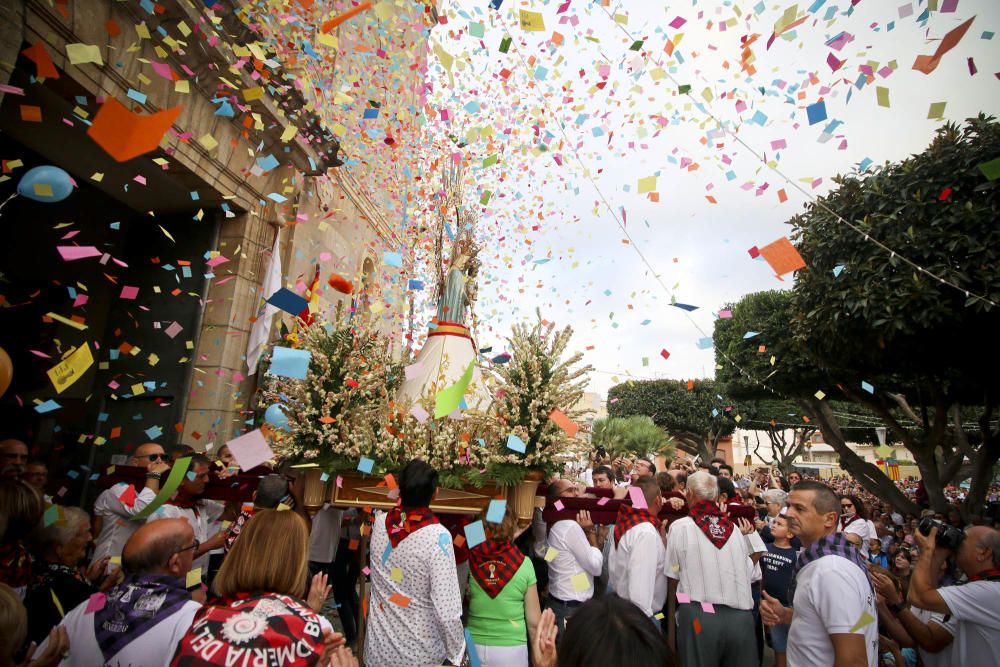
[
  {"x": 346, "y": 16},
  {"x": 125, "y": 135},
  {"x": 928, "y": 64}
]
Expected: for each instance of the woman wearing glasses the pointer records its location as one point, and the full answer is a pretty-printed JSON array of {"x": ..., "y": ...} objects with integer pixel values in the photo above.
[
  {"x": 854, "y": 523},
  {"x": 115, "y": 507}
]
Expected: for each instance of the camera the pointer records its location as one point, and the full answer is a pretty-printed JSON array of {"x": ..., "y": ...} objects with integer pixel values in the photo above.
[{"x": 948, "y": 536}]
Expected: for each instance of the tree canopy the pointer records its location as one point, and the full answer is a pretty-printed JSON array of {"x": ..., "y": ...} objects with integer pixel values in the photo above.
[
  {"x": 692, "y": 412},
  {"x": 636, "y": 435},
  {"x": 863, "y": 326}
]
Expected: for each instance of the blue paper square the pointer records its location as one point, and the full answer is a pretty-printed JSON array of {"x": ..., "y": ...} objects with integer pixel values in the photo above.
[
  {"x": 365, "y": 465},
  {"x": 443, "y": 541},
  {"x": 392, "y": 259},
  {"x": 47, "y": 406},
  {"x": 289, "y": 363},
  {"x": 515, "y": 443},
  {"x": 371, "y": 114},
  {"x": 816, "y": 112},
  {"x": 154, "y": 432},
  {"x": 137, "y": 96},
  {"x": 386, "y": 553},
  {"x": 475, "y": 533},
  {"x": 288, "y": 301},
  {"x": 867, "y": 386},
  {"x": 268, "y": 162},
  {"x": 496, "y": 511}
]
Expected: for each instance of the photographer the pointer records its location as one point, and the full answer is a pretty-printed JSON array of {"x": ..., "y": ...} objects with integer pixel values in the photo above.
[{"x": 975, "y": 606}]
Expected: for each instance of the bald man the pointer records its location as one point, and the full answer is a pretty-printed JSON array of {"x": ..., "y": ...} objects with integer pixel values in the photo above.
[
  {"x": 144, "y": 617},
  {"x": 116, "y": 506},
  {"x": 13, "y": 458}
]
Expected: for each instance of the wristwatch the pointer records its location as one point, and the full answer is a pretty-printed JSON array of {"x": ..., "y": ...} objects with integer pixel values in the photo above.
[
  {"x": 896, "y": 607},
  {"x": 153, "y": 475}
]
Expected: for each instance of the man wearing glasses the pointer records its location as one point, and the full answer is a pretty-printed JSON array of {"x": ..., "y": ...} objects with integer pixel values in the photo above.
[{"x": 116, "y": 506}]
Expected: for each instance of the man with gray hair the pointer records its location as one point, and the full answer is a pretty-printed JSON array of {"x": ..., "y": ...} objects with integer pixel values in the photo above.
[
  {"x": 975, "y": 606},
  {"x": 141, "y": 620},
  {"x": 708, "y": 565}
]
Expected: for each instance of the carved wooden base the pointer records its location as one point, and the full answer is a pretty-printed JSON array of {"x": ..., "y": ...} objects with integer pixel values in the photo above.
[{"x": 358, "y": 490}]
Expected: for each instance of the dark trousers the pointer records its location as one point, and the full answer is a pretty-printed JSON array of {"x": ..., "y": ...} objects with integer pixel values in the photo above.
[
  {"x": 344, "y": 579},
  {"x": 713, "y": 640},
  {"x": 563, "y": 611}
]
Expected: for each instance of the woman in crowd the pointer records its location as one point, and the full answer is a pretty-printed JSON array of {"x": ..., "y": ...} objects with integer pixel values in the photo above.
[
  {"x": 902, "y": 567},
  {"x": 259, "y": 609},
  {"x": 14, "y": 627},
  {"x": 20, "y": 512},
  {"x": 503, "y": 597},
  {"x": 854, "y": 522},
  {"x": 58, "y": 584}
]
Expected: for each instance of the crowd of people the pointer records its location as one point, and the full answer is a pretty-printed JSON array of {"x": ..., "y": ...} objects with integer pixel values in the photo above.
[{"x": 695, "y": 566}]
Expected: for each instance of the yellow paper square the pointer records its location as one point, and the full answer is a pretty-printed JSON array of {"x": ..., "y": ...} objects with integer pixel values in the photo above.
[
  {"x": 71, "y": 369},
  {"x": 647, "y": 184},
  {"x": 282, "y": 507},
  {"x": 551, "y": 554},
  {"x": 580, "y": 581},
  {"x": 251, "y": 94},
  {"x": 43, "y": 189},
  {"x": 115, "y": 560},
  {"x": 208, "y": 142},
  {"x": 532, "y": 21},
  {"x": 182, "y": 86},
  {"x": 193, "y": 578},
  {"x": 84, "y": 53},
  {"x": 396, "y": 575}
]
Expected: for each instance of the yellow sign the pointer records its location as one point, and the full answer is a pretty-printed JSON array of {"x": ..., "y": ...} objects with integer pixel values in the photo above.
[{"x": 71, "y": 369}]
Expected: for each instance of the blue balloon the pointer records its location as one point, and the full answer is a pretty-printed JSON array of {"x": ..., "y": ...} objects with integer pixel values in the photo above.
[
  {"x": 276, "y": 417},
  {"x": 37, "y": 183}
]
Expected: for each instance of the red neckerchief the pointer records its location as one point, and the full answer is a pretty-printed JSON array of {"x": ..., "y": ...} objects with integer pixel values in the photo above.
[
  {"x": 846, "y": 521},
  {"x": 401, "y": 521},
  {"x": 716, "y": 526},
  {"x": 494, "y": 563},
  {"x": 988, "y": 575},
  {"x": 629, "y": 517}
]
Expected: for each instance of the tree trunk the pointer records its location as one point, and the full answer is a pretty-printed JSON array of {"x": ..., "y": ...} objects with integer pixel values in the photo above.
[
  {"x": 982, "y": 476},
  {"x": 867, "y": 474},
  {"x": 927, "y": 464}
]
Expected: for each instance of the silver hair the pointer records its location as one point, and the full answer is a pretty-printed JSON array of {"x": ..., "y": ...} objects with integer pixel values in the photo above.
[
  {"x": 776, "y": 496},
  {"x": 991, "y": 540},
  {"x": 703, "y": 485},
  {"x": 61, "y": 532}
]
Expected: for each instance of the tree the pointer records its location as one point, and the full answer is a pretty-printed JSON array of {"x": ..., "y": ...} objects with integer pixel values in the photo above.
[
  {"x": 636, "y": 435},
  {"x": 748, "y": 373},
  {"x": 866, "y": 327},
  {"x": 692, "y": 412},
  {"x": 787, "y": 429}
]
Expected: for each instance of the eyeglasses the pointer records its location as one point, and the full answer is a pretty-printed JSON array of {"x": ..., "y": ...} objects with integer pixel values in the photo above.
[
  {"x": 193, "y": 546},
  {"x": 847, "y": 505}
]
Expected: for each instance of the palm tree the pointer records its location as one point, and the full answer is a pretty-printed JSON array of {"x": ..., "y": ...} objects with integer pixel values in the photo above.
[{"x": 635, "y": 436}]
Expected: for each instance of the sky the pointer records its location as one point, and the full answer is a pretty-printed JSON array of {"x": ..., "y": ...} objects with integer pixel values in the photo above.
[{"x": 571, "y": 152}]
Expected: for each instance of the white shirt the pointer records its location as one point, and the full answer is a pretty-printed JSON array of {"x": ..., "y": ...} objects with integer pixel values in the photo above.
[
  {"x": 859, "y": 527},
  {"x": 116, "y": 525},
  {"x": 201, "y": 516},
  {"x": 428, "y": 630},
  {"x": 153, "y": 648},
  {"x": 636, "y": 567},
  {"x": 706, "y": 574},
  {"x": 832, "y": 594},
  {"x": 944, "y": 657},
  {"x": 324, "y": 537},
  {"x": 975, "y": 607},
  {"x": 574, "y": 556}
]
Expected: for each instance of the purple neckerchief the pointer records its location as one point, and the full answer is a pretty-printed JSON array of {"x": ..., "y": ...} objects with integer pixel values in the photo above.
[
  {"x": 834, "y": 544},
  {"x": 133, "y": 607}
]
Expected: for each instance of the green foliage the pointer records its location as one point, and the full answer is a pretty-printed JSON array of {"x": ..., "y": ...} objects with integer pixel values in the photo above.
[
  {"x": 697, "y": 418},
  {"x": 635, "y": 435},
  {"x": 881, "y": 319}
]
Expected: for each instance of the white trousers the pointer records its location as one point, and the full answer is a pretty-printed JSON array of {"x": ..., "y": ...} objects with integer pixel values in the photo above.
[{"x": 503, "y": 656}]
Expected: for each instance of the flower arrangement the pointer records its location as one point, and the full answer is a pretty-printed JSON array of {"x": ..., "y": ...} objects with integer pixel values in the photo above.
[
  {"x": 536, "y": 381},
  {"x": 346, "y": 409}
]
